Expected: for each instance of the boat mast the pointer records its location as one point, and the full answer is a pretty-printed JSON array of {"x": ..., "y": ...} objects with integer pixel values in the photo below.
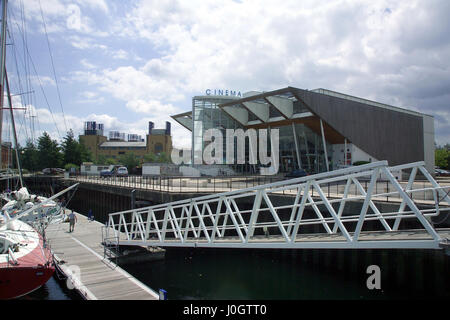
[
  {"x": 16, "y": 146},
  {"x": 2, "y": 71}
]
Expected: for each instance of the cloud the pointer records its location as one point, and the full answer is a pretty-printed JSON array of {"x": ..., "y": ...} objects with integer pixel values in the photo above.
[
  {"x": 374, "y": 50},
  {"x": 130, "y": 84},
  {"x": 42, "y": 80},
  {"x": 120, "y": 54},
  {"x": 150, "y": 107},
  {"x": 61, "y": 16},
  {"x": 95, "y": 4},
  {"x": 87, "y": 64},
  {"x": 83, "y": 43},
  {"x": 395, "y": 52},
  {"x": 90, "y": 97}
]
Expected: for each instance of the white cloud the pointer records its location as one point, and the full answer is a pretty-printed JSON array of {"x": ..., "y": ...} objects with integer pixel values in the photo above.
[
  {"x": 364, "y": 48},
  {"x": 42, "y": 80},
  {"x": 84, "y": 43},
  {"x": 389, "y": 51},
  {"x": 90, "y": 97},
  {"x": 120, "y": 54},
  {"x": 150, "y": 107},
  {"x": 95, "y": 4},
  {"x": 62, "y": 15},
  {"x": 87, "y": 64},
  {"x": 53, "y": 123}
]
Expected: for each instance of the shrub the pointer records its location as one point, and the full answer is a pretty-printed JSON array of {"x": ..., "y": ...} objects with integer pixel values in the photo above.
[
  {"x": 69, "y": 166},
  {"x": 359, "y": 163}
]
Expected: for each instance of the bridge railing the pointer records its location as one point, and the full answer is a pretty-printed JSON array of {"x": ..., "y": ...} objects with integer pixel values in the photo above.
[
  {"x": 221, "y": 220},
  {"x": 220, "y": 184}
]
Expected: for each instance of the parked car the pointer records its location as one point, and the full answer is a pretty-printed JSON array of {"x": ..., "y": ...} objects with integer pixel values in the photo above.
[
  {"x": 296, "y": 174},
  {"x": 122, "y": 172},
  {"x": 53, "y": 171},
  {"x": 442, "y": 173},
  {"x": 115, "y": 172},
  {"x": 106, "y": 173}
]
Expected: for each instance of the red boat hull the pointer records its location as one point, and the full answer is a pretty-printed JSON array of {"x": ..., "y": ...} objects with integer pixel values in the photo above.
[
  {"x": 31, "y": 271},
  {"x": 18, "y": 281}
]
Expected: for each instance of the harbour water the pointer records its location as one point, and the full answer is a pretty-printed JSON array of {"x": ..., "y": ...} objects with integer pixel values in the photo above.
[
  {"x": 197, "y": 274},
  {"x": 54, "y": 289},
  {"x": 296, "y": 274},
  {"x": 285, "y": 274}
]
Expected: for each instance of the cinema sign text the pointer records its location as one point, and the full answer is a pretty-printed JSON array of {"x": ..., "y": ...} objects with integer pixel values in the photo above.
[{"x": 221, "y": 92}]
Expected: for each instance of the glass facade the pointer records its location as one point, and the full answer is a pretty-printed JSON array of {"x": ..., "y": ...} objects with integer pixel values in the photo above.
[
  {"x": 310, "y": 145},
  {"x": 304, "y": 150},
  {"x": 311, "y": 153},
  {"x": 207, "y": 115}
]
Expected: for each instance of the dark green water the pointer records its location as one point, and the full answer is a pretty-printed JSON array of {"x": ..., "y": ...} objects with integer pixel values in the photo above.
[
  {"x": 54, "y": 289},
  {"x": 222, "y": 274},
  {"x": 295, "y": 274},
  {"x": 278, "y": 274}
]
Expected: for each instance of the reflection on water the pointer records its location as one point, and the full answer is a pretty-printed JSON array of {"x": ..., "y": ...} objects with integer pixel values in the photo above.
[
  {"x": 196, "y": 274},
  {"x": 54, "y": 289},
  {"x": 295, "y": 274}
]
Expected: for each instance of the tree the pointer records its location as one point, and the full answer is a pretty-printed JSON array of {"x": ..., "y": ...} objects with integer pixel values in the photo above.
[
  {"x": 73, "y": 151},
  {"x": 101, "y": 159},
  {"x": 110, "y": 161},
  {"x": 150, "y": 157},
  {"x": 129, "y": 160},
  {"x": 69, "y": 166},
  {"x": 442, "y": 158},
  {"x": 29, "y": 156},
  {"x": 86, "y": 155},
  {"x": 49, "y": 155},
  {"x": 70, "y": 149},
  {"x": 161, "y": 157}
]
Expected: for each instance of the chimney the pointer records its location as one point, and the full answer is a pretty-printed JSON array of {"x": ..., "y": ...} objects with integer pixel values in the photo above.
[
  {"x": 168, "y": 128},
  {"x": 151, "y": 125}
]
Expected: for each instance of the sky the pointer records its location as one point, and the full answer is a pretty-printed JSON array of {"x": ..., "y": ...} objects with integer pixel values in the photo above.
[{"x": 124, "y": 63}]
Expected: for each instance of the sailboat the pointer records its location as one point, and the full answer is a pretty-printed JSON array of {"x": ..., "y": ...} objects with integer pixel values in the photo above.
[
  {"x": 26, "y": 261},
  {"x": 35, "y": 210}
]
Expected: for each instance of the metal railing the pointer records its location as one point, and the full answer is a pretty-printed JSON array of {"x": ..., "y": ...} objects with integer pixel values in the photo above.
[
  {"x": 383, "y": 187},
  {"x": 217, "y": 220},
  {"x": 180, "y": 183},
  {"x": 111, "y": 246}
]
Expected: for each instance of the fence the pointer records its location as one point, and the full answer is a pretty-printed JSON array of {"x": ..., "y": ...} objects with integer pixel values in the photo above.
[{"x": 383, "y": 189}]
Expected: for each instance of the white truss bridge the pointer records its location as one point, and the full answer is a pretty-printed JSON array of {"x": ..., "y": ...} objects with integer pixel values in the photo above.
[{"x": 220, "y": 221}]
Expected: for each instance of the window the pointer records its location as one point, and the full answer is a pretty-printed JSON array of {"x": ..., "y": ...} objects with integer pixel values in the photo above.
[{"x": 158, "y": 147}]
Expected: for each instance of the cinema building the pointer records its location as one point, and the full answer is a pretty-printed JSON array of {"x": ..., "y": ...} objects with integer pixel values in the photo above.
[{"x": 319, "y": 130}]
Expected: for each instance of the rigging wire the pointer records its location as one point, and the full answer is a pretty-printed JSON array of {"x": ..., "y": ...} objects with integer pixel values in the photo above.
[
  {"x": 25, "y": 40},
  {"x": 27, "y": 99},
  {"x": 23, "y": 97},
  {"x": 53, "y": 66},
  {"x": 27, "y": 67},
  {"x": 42, "y": 89},
  {"x": 22, "y": 120}
]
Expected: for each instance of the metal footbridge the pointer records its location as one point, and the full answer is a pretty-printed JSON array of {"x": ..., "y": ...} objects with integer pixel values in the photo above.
[{"x": 307, "y": 218}]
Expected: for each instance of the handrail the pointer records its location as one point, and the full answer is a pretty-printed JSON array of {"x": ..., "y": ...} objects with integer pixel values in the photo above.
[{"x": 211, "y": 220}]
